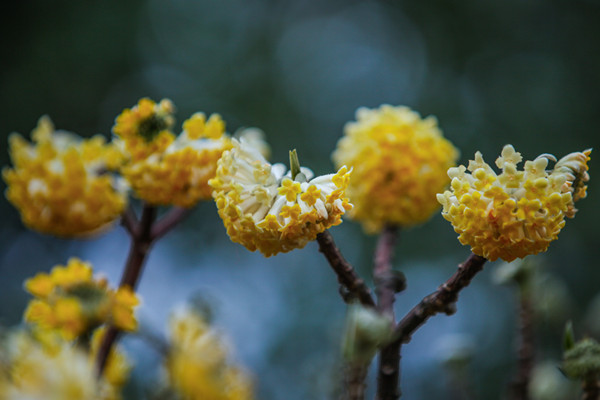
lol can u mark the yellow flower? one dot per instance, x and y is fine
(45, 368)
(144, 129)
(178, 174)
(399, 163)
(71, 301)
(263, 208)
(515, 213)
(197, 364)
(60, 184)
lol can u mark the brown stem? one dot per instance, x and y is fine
(442, 300)
(169, 221)
(141, 242)
(591, 389)
(520, 386)
(388, 373)
(129, 221)
(355, 387)
(346, 275)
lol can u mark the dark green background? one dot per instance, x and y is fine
(493, 72)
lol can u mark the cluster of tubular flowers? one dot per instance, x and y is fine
(71, 301)
(60, 183)
(197, 366)
(164, 169)
(263, 208)
(44, 367)
(515, 213)
(399, 163)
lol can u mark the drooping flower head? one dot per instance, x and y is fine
(71, 301)
(514, 213)
(197, 363)
(47, 368)
(399, 162)
(165, 169)
(263, 208)
(60, 183)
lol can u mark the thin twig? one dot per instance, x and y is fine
(346, 275)
(354, 385)
(442, 300)
(386, 283)
(141, 242)
(591, 389)
(520, 386)
(169, 221)
(129, 221)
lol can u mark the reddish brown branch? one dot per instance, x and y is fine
(387, 285)
(354, 385)
(591, 389)
(169, 221)
(141, 242)
(346, 275)
(442, 300)
(520, 386)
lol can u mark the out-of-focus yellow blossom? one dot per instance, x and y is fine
(263, 208)
(197, 365)
(179, 173)
(399, 162)
(49, 369)
(145, 128)
(71, 301)
(60, 183)
(515, 213)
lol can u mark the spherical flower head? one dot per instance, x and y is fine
(50, 369)
(178, 175)
(145, 128)
(399, 162)
(71, 301)
(515, 213)
(197, 364)
(263, 208)
(60, 183)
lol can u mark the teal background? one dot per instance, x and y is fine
(518, 72)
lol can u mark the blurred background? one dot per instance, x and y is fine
(523, 72)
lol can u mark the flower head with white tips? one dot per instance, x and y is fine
(264, 208)
(515, 213)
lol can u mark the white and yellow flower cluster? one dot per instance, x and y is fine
(61, 183)
(164, 169)
(399, 162)
(515, 213)
(263, 208)
(44, 367)
(197, 363)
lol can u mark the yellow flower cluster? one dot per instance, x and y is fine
(399, 162)
(145, 128)
(169, 170)
(41, 367)
(515, 213)
(60, 183)
(72, 302)
(197, 364)
(263, 208)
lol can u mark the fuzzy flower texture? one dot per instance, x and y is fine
(263, 208)
(165, 169)
(515, 213)
(60, 183)
(41, 366)
(197, 363)
(399, 163)
(71, 301)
